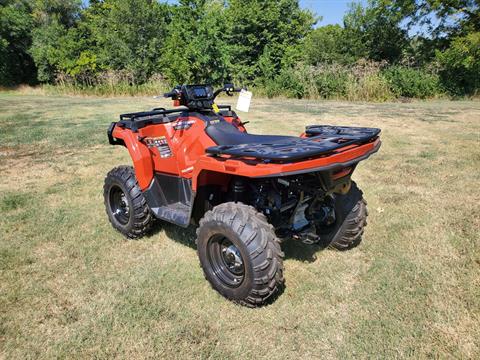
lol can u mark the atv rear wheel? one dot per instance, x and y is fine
(125, 204)
(350, 220)
(240, 254)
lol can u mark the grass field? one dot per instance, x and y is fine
(71, 287)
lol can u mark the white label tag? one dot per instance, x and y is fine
(243, 103)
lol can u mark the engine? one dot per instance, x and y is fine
(297, 206)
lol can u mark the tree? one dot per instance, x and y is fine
(128, 34)
(328, 44)
(260, 33)
(441, 17)
(107, 35)
(52, 19)
(16, 64)
(452, 39)
(460, 64)
(371, 32)
(374, 32)
(195, 50)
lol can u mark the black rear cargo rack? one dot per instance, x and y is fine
(346, 132)
(322, 140)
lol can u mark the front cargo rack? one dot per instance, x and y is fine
(138, 120)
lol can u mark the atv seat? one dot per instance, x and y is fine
(224, 133)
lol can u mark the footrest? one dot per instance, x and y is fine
(170, 198)
(176, 213)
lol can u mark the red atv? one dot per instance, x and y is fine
(197, 164)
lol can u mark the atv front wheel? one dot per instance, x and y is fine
(350, 220)
(240, 254)
(125, 204)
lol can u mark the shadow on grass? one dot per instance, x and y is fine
(293, 249)
(297, 250)
(184, 236)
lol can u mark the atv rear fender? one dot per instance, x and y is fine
(208, 167)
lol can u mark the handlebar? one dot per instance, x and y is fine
(177, 92)
(173, 93)
(169, 94)
(228, 88)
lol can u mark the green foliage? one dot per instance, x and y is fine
(129, 35)
(107, 35)
(260, 33)
(52, 19)
(361, 81)
(64, 12)
(271, 45)
(437, 16)
(412, 83)
(328, 44)
(16, 65)
(331, 81)
(374, 32)
(195, 50)
(45, 49)
(291, 82)
(461, 64)
(371, 32)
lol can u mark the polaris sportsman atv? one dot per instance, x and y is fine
(197, 164)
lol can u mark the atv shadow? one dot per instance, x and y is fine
(184, 236)
(293, 249)
(297, 250)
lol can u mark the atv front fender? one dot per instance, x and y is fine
(140, 154)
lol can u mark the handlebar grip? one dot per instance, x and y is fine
(170, 94)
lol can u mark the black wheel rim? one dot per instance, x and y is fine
(119, 205)
(225, 260)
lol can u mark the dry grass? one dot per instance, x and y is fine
(71, 287)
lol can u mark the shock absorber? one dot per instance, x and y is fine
(238, 190)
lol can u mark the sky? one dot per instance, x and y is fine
(331, 11)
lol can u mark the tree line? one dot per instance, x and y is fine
(384, 49)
